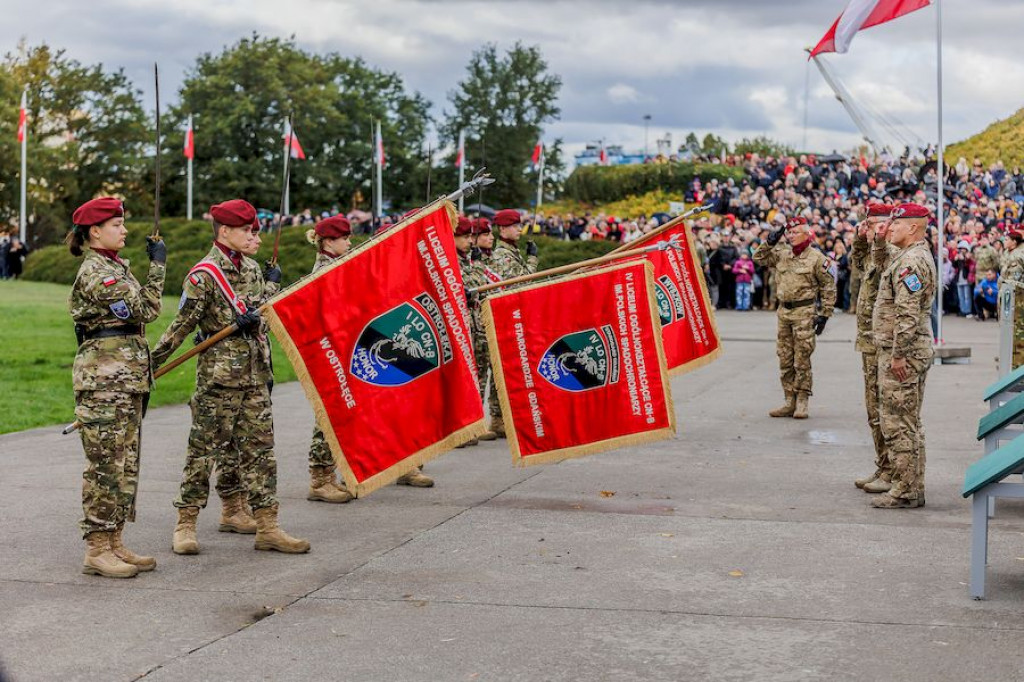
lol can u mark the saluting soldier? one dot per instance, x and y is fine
(111, 377)
(804, 283)
(332, 238)
(903, 336)
(232, 424)
(870, 255)
(1013, 276)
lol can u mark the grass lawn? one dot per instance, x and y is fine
(37, 347)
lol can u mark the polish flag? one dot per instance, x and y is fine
(538, 152)
(379, 153)
(603, 157)
(460, 153)
(861, 14)
(23, 117)
(190, 143)
(290, 136)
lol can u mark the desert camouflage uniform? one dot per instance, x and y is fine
(508, 262)
(802, 280)
(319, 451)
(110, 377)
(902, 329)
(1013, 275)
(986, 258)
(871, 261)
(232, 424)
(472, 277)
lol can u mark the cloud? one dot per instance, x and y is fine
(620, 93)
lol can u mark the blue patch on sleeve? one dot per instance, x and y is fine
(913, 283)
(120, 310)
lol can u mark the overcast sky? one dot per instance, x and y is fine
(732, 67)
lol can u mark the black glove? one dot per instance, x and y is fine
(472, 298)
(475, 253)
(819, 324)
(774, 236)
(248, 322)
(531, 247)
(272, 273)
(156, 249)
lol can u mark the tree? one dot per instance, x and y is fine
(240, 99)
(691, 144)
(712, 145)
(502, 105)
(88, 135)
(763, 146)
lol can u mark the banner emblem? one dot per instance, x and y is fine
(670, 302)
(402, 344)
(581, 361)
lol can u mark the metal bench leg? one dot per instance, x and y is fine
(979, 543)
(991, 506)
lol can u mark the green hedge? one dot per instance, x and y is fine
(601, 184)
(187, 242)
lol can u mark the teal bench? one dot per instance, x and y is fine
(1005, 422)
(1004, 390)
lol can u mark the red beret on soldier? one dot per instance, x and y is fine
(98, 211)
(507, 217)
(795, 221)
(333, 227)
(234, 213)
(464, 227)
(910, 210)
(877, 209)
(481, 225)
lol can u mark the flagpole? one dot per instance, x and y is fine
(378, 141)
(460, 154)
(540, 184)
(941, 172)
(23, 217)
(188, 206)
(285, 205)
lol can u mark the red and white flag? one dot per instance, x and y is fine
(460, 153)
(379, 158)
(538, 153)
(602, 158)
(23, 117)
(861, 14)
(291, 138)
(190, 144)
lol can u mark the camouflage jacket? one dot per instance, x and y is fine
(237, 361)
(985, 258)
(799, 278)
(322, 259)
(903, 309)
(106, 294)
(872, 263)
(472, 277)
(1013, 267)
(508, 262)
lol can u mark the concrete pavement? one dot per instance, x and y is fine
(738, 551)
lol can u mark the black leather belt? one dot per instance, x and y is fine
(790, 305)
(107, 332)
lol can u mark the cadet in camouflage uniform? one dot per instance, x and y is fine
(232, 424)
(903, 337)
(804, 282)
(472, 277)
(1013, 276)
(507, 262)
(985, 257)
(481, 257)
(111, 377)
(872, 258)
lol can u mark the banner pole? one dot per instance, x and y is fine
(670, 224)
(941, 170)
(460, 154)
(23, 216)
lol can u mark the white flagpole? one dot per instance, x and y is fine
(941, 172)
(378, 141)
(188, 206)
(23, 217)
(540, 183)
(287, 152)
(461, 155)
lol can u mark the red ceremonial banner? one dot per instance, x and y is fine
(382, 345)
(579, 365)
(687, 318)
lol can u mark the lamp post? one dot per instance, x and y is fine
(647, 123)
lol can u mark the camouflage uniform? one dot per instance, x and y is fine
(985, 258)
(902, 329)
(801, 280)
(1013, 275)
(319, 451)
(111, 377)
(508, 262)
(472, 277)
(232, 424)
(871, 261)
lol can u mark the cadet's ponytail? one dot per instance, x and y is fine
(76, 239)
(313, 238)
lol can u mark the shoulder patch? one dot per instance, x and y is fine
(120, 310)
(109, 281)
(194, 278)
(913, 283)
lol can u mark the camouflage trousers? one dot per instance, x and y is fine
(110, 438)
(794, 346)
(1018, 328)
(483, 365)
(899, 407)
(232, 429)
(319, 452)
(869, 362)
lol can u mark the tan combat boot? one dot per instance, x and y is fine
(800, 412)
(322, 487)
(881, 484)
(861, 482)
(787, 409)
(887, 501)
(185, 541)
(269, 535)
(101, 560)
(144, 563)
(488, 435)
(235, 516)
(468, 444)
(497, 426)
(417, 479)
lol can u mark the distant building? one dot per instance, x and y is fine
(591, 156)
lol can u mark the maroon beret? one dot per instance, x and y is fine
(1017, 234)
(234, 213)
(507, 217)
(481, 226)
(796, 221)
(464, 227)
(877, 209)
(98, 211)
(910, 211)
(333, 227)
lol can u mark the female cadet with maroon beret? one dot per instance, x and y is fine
(112, 376)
